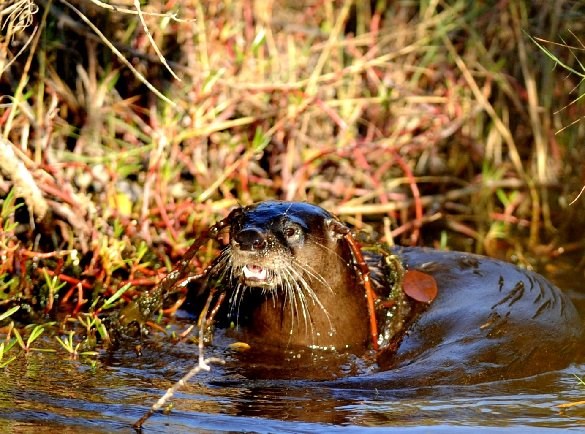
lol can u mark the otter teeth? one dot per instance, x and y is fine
(254, 272)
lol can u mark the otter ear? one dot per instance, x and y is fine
(335, 229)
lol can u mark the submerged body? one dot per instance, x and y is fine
(490, 321)
(294, 287)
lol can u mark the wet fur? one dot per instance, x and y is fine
(490, 320)
(313, 280)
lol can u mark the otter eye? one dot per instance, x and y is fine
(290, 232)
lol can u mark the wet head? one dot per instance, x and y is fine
(291, 278)
(276, 242)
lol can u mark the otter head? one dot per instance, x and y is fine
(275, 243)
(292, 261)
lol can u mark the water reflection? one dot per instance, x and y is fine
(46, 392)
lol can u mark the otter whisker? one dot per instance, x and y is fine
(312, 273)
(309, 291)
(233, 300)
(299, 300)
(272, 292)
(237, 295)
(266, 291)
(221, 262)
(289, 299)
(311, 294)
(294, 290)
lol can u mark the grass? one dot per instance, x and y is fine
(125, 133)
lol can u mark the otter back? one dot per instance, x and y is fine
(490, 321)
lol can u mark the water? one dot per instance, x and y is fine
(46, 392)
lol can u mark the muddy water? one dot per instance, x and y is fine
(46, 393)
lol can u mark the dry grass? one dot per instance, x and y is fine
(432, 122)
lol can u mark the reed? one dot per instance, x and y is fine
(127, 130)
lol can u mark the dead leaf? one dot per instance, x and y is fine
(420, 286)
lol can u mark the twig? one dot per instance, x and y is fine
(324, 56)
(171, 16)
(24, 78)
(578, 196)
(4, 66)
(488, 107)
(418, 207)
(202, 365)
(19, 15)
(151, 39)
(118, 54)
(23, 180)
(367, 209)
(79, 28)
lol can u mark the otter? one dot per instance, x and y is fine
(290, 279)
(293, 283)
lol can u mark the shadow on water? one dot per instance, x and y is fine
(45, 392)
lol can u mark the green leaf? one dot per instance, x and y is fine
(37, 331)
(67, 343)
(555, 58)
(258, 41)
(110, 301)
(19, 339)
(9, 312)
(7, 362)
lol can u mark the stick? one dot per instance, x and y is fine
(202, 364)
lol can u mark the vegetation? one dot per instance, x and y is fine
(126, 131)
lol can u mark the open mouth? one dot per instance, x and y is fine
(255, 274)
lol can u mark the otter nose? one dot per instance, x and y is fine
(250, 239)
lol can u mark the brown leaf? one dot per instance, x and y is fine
(420, 286)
